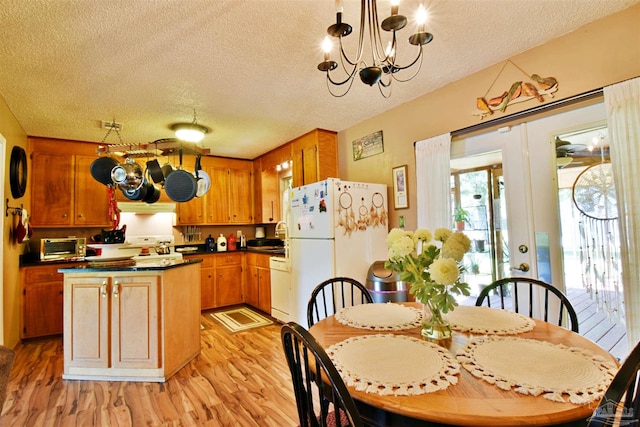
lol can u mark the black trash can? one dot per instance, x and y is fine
(385, 285)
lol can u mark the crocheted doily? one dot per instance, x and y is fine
(380, 317)
(394, 364)
(539, 368)
(486, 320)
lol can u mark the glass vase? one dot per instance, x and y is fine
(434, 326)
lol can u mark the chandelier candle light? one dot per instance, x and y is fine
(382, 61)
(432, 263)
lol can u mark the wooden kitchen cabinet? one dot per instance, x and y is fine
(315, 157)
(63, 192)
(229, 199)
(258, 282)
(41, 301)
(222, 280)
(113, 322)
(228, 288)
(130, 325)
(267, 197)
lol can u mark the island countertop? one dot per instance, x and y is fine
(160, 265)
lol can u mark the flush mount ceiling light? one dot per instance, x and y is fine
(381, 68)
(191, 132)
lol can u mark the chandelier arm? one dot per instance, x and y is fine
(379, 52)
(350, 81)
(404, 67)
(380, 86)
(420, 56)
(349, 77)
(344, 58)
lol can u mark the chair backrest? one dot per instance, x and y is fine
(316, 382)
(521, 294)
(332, 295)
(7, 357)
(623, 389)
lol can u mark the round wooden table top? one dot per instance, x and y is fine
(472, 402)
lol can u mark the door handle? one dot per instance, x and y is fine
(522, 267)
(116, 290)
(103, 290)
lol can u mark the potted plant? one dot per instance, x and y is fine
(460, 216)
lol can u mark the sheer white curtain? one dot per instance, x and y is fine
(622, 101)
(433, 186)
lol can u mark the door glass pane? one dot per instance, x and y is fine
(479, 194)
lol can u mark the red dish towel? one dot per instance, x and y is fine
(23, 229)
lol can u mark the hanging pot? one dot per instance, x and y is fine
(153, 193)
(203, 180)
(180, 185)
(155, 171)
(128, 176)
(101, 169)
(139, 193)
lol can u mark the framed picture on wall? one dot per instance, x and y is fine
(400, 188)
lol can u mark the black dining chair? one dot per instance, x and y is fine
(624, 390)
(513, 291)
(317, 384)
(332, 295)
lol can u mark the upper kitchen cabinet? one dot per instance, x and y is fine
(315, 157)
(63, 192)
(229, 199)
(267, 184)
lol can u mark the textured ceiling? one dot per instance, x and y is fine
(248, 67)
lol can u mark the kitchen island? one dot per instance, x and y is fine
(131, 323)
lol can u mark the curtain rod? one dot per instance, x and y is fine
(528, 113)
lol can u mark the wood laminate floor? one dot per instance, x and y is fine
(239, 379)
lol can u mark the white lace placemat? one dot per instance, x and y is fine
(486, 320)
(539, 368)
(394, 364)
(380, 317)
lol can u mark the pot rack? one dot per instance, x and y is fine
(160, 147)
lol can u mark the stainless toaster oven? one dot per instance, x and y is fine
(62, 248)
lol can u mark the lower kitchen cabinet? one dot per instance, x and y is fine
(221, 276)
(228, 290)
(140, 326)
(258, 282)
(41, 301)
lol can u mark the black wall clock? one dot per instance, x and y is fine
(18, 172)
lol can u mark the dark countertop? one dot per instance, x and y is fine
(166, 265)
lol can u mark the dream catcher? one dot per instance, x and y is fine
(594, 195)
(377, 212)
(346, 216)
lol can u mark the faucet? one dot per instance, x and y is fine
(281, 227)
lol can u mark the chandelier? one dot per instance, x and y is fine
(381, 68)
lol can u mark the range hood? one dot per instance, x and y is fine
(146, 208)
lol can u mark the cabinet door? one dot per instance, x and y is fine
(191, 212)
(42, 309)
(135, 319)
(228, 285)
(240, 191)
(270, 196)
(86, 322)
(264, 289)
(51, 189)
(218, 196)
(207, 288)
(91, 202)
(310, 164)
(251, 294)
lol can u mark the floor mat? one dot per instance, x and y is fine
(240, 319)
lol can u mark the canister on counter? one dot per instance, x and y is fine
(222, 243)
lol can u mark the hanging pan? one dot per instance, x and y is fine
(154, 170)
(203, 180)
(180, 185)
(101, 169)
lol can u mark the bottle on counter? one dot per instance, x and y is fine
(209, 244)
(231, 242)
(222, 243)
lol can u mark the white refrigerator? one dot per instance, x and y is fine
(337, 228)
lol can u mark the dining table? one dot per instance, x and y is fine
(485, 375)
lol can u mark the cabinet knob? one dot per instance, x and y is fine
(64, 215)
(116, 290)
(79, 215)
(103, 290)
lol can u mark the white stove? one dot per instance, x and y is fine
(150, 243)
